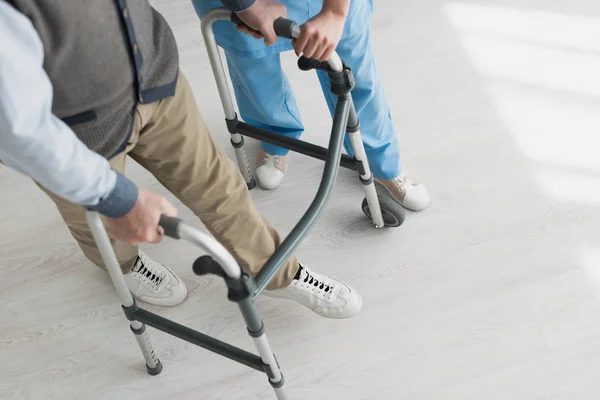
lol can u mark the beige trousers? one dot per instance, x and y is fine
(171, 141)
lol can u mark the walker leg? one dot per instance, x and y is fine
(237, 141)
(216, 64)
(364, 171)
(153, 364)
(256, 330)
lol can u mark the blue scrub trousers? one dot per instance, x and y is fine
(265, 97)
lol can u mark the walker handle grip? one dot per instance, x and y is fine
(206, 265)
(286, 28)
(235, 19)
(170, 226)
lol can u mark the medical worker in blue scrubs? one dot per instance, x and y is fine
(265, 97)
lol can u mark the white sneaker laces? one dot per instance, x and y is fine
(321, 283)
(272, 159)
(148, 275)
(402, 182)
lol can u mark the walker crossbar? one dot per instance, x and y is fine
(134, 313)
(295, 145)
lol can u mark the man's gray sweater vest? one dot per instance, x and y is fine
(103, 57)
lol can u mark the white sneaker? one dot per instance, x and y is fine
(325, 296)
(409, 194)
(270, 170)
(154, 283)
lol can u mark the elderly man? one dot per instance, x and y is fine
(85, 84)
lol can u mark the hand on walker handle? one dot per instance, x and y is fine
(140, 224)
(320, 35)
(258, 20)
(318, 38)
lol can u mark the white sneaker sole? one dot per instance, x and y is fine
(382, 190)
(171, 302)
(347, 314)
(271, 186)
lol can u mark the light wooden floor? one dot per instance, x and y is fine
(492, 293)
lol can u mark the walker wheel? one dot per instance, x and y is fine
(393, 213)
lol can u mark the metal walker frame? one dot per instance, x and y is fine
(381, 209)
(243, 289)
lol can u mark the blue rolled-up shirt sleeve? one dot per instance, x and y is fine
(38, 144)
(238, 5)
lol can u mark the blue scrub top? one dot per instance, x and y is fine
(298, 10)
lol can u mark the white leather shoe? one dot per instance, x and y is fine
(325, 296)
(409, 194)
(270, 170)
(154, 283)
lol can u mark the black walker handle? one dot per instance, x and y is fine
(285, 28)
(206, 265)
(235, 19)
(170, 226)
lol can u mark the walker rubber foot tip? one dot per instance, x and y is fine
(251, 184)
(156, 370)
